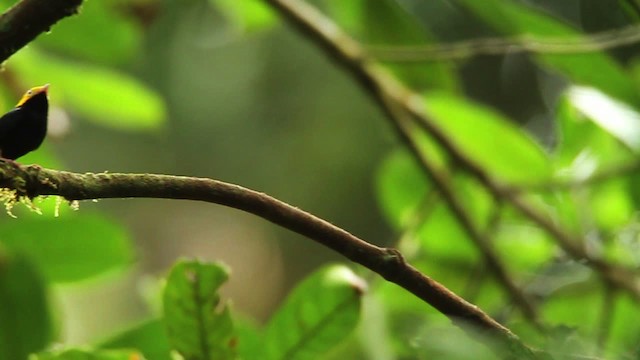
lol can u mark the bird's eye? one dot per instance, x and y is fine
(29, 92)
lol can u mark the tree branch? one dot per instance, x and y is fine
(602, 41)
(32, 181)
(27, 19)
(384, 88)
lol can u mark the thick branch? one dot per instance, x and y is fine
(34, 181)
(27, 19)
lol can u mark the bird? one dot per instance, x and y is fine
(23, 129)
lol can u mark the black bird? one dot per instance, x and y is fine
(23, 129)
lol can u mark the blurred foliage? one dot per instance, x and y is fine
(561, 129)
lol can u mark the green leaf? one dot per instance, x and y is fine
(250, 339)
(625, 326)
(611, 205)
(317, 315)
(25, 322)
(248, 15)
(446, 246)
(198, 325)
(511, 18)
(488, 139)
(69, 248)
(617, 118)
(92, 91)
(81, 354)
(98, 33)
(149, 338)
(370, 22)
(526, 247)
(583, 147)
(401, 186)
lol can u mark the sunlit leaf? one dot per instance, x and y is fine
(25, 322)
(316, 316)
(69, 248)
(198, 325)
(584, 147)
(611, 205)
(100, 94)
(615, 117)
(488, 139)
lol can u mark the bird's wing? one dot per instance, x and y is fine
(8, 123)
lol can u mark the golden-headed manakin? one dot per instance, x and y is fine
(23, 129)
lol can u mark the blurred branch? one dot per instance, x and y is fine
(32, 181)
(27, 19)
(386, 89)
(499, 46)
(482, 242)
(601, 176)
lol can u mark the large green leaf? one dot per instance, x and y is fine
(490, 140)
(198, 325)
(316, 316)
(250, 339)
(98, 33)
(25, 322)
(106, 96)
(69, 248)
(594, 69)
(148, 337)
(82, 354)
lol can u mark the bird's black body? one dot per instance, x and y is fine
(23, 129)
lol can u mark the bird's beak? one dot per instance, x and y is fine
(45, 87)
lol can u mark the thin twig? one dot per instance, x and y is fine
(479, 239)
(32, 181)
(500, 46)
(27, 19)
(606, 174)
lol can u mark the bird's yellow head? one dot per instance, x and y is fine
(31, 93)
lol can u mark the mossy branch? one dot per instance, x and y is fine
(27, 19)
(32, 181)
